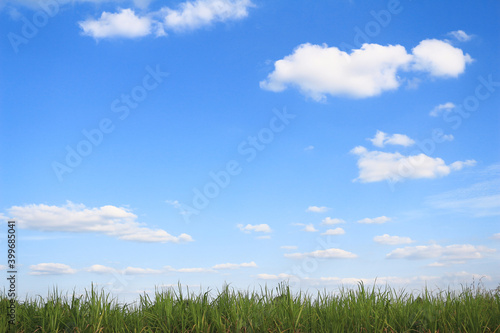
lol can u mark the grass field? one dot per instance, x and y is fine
(374, 309)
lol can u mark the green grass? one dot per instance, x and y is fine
(473, 309)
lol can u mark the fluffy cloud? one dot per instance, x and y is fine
(320, 70)
(122, 24)
(376, 166)
(51, 269)
(333, 232)
(381, 139)
(392, 240)
(330, 221)
(324, 254)
(376, 220)
(460, 35)
(256, 228)
(195, 14)
(109, 220)
(446, 107)
(456, 252)
(439, 58)
(190, 15)
(316, 209)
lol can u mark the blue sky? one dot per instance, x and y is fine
(145, 143)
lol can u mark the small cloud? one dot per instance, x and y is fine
(496, 236)
(381, 139)
(51, 269)
(460, 35)
(100, 269)
(459, 165)
(289, 247)
(255, 228)
(439, 59)
(456, 253)
(263, 237)
(392, 240)
(307, 227)
(446, 107)
(308, 148)
(376, 220)
(325, 254)
(316, 209)
(330, 221)
(234, 266)
(336, 231)
(375, 166)
(281, 276)
(140, 271)
(123, 24)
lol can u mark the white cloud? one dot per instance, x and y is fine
(459, 165)
(256, 228)
(439, 58)
(122, 24)
(109, 220)
(190, 15)
(392, 240)
(307, 227)
(460, 35)
(330, 221)
(51, 269)
(289, 247)
(190, 270)
(195, 14)
(281, 276)
(456, 252)
(496, 236)
(234, 266)
(140, 271)
(376, 166)
(336, 231)
(325, 254)
(318, 70)
(316, 209)
(100, 269)
(376, 220)
(309, 148)
(381, 139)
(446, 107)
